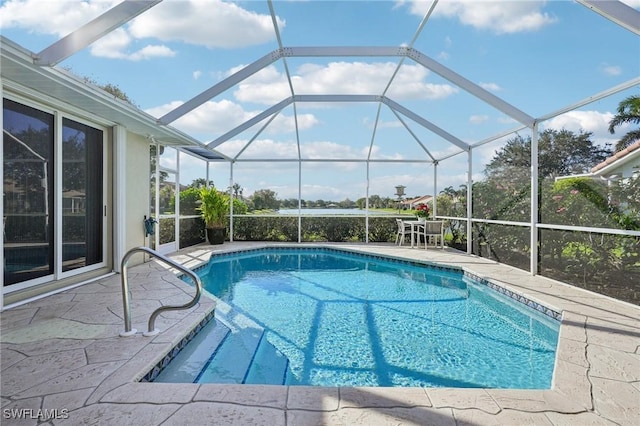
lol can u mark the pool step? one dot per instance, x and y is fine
(245, 355)
(269, 366)
(233, 358)
(186, 366)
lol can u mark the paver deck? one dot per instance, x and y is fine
(63, 362)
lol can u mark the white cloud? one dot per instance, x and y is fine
(267, 86)
(314, 150)
(270, 86)
(210, 23)
(393, 124)
(444, 56)
(325, 149)
(501, 17)
(478, 119)
(215, 118)
(492, 87)
(286, 124)
(595, 122)
(505, 119)
(197, 74)
(612, 70)
(51, 17)
(116, 44)
(151, 51)
(409, 84)
(260, 149)
(209, 118)
(376, 153)
(315, 192)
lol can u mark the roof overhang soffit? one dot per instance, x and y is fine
(339, 98)
(357, 51)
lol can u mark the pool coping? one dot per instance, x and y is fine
(596, 379)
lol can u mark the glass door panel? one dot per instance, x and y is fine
(28, 136)
(82, 195)
(167, 213)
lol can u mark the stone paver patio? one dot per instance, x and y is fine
(63, 362)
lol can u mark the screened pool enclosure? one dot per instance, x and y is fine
(343, 111)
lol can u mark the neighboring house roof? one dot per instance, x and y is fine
(619, 159)
(412, 202)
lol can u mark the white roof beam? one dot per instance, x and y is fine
(498, 136)
(322, 51)
(471, 87)
(247, 124)
(330, 160)
(415, 137)
(258, 133)
(337, 98)
(426, 124)
(92, 31)
(616, 11)
(593, 98)
(225, 84)
(423, 60)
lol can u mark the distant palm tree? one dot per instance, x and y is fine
(237, 189)
(628, 112)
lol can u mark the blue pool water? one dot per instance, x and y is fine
(331, 318)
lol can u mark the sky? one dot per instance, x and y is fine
(539, 56)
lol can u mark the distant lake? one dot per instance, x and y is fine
(318, 212)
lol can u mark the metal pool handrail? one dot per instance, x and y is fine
(152, 331)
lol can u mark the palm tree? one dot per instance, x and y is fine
(237, 189)
(628, 112)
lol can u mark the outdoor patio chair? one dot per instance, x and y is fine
(434, 229)
(404, 230)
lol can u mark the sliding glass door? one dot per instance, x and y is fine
(54, 196)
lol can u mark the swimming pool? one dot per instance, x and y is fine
(328, 317)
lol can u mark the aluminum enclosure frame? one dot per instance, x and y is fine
(614, 11)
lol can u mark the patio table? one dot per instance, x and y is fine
(415, 229)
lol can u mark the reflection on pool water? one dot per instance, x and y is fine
(332, 318)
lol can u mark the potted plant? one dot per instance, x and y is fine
(422, 212)
(214, 208)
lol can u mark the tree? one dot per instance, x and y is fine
(560, 153)
(110, 88)
(265, 199)
(375, 202)
(628, 112)
(505, 194)
(200, 183)
(237, 190)
(116, 92)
